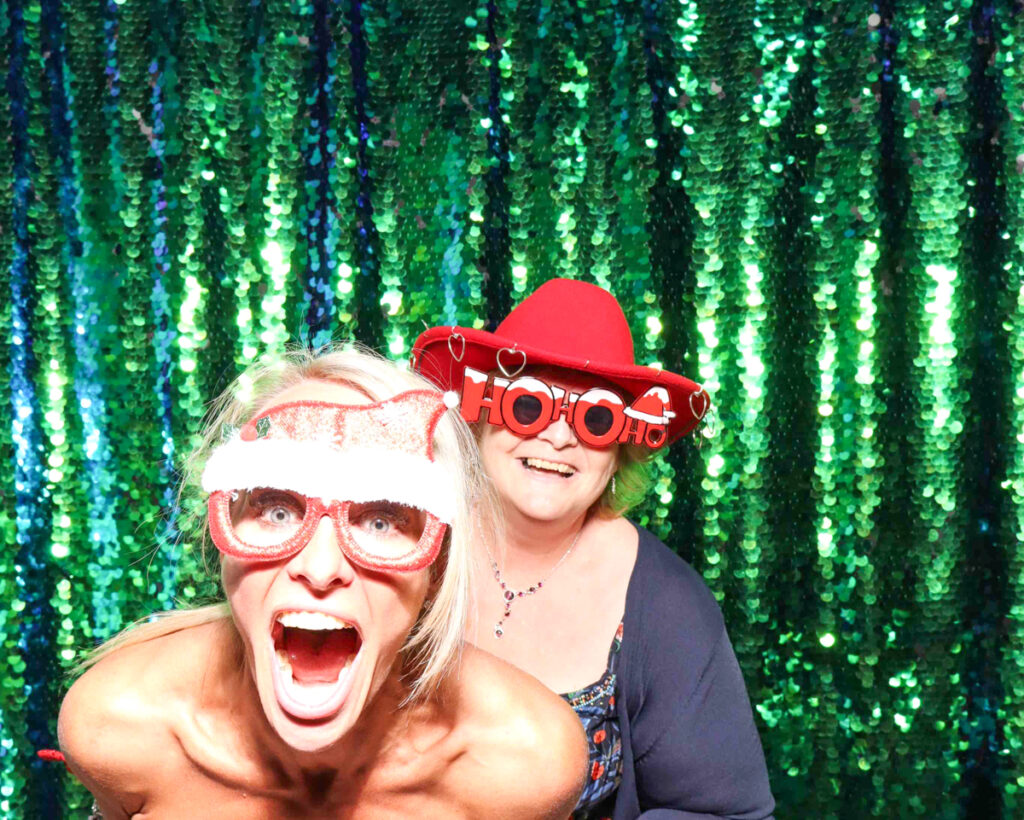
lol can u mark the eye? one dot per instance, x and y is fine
(526, 409)
(385, 519)
(378, 522)
(276, 515)
(275, 508)
(598, 420)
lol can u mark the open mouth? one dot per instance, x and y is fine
(539, 465)
(313, 658)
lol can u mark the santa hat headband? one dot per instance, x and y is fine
(337, 452)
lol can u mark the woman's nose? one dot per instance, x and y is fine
(558, 434)
(321, 564)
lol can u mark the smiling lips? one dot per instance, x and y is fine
(542, 465)
(314, 653)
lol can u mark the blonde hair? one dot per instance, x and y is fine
(433, 648)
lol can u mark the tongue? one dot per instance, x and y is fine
(317, 655)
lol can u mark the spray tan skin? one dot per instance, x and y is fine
(172, 728)
(187, 725)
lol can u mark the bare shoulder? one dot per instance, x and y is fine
(118, 721)
(527, 744)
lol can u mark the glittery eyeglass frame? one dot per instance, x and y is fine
(421, 555)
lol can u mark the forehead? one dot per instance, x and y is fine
(316, 390)
(573, 381)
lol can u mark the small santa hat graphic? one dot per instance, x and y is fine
(654, 407)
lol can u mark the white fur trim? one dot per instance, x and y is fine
(636, 414)
(318, 470)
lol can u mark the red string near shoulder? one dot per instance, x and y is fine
(55, 755)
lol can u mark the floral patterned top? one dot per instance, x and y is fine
(595, 707)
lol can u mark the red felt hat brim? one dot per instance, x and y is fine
(435, 359)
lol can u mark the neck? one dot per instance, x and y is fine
(526, 537)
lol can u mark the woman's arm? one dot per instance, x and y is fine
(540, 771)
(104, 745)
(705, 759)
(527, 755)
(694, 745)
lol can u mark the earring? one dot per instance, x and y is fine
(613, 485)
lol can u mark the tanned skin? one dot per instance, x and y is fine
(172, 727)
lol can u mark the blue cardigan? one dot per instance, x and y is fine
(690, 750)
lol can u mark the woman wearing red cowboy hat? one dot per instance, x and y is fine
(572, 592)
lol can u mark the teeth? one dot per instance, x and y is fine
(541, 464)
(311, 620)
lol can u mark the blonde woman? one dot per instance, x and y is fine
(572, 592)
(333, 682)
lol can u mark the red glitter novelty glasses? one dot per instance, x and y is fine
(267, 524)
(599, 417)
(369, 468)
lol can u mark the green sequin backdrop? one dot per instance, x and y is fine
(814, 208)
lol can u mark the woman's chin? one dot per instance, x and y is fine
(547, 509)
(308, 739)
(305, 735)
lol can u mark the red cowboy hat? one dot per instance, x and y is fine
(564, 323)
